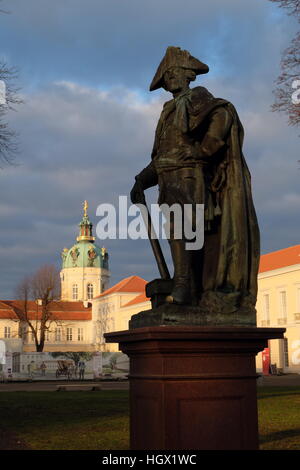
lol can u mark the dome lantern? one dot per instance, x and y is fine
(86, 226)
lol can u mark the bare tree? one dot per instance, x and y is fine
(289, 80)
(43, 287)
(3, 11)
(293, 6)
(9, 97)
(104, 324)
(23, 293)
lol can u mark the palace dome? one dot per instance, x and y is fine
(85, 253)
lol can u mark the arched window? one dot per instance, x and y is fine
(75, 292)
(90, 291)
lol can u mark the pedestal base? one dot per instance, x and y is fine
(178, 315)
(193, 388)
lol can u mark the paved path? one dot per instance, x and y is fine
(288, 380)
(53, 386)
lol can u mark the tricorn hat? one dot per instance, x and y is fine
(175, 57)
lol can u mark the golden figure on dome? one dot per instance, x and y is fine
(85, 208)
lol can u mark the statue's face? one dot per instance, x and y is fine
(175, 79)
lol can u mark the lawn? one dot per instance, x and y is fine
(64, 420)
(99, 420)
(279, 418)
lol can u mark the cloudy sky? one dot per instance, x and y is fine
(87, 123)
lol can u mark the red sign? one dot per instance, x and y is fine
(266, 361)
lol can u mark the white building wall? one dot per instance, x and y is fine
(284, 312)
(98, 277)
(109, 314)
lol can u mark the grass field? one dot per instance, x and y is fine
(279, 418)
(99, 420)
(64, 420)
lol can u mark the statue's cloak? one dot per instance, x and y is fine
(232, 249)
(229, 260)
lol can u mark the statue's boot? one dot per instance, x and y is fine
(181, 293)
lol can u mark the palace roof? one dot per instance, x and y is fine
(59, 310)
(280, 259)
(129, 284)
(137, 300)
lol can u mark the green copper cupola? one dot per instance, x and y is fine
(85, 272)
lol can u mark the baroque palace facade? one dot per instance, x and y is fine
(89, 307)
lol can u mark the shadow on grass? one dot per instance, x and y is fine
(23, 410)
(279, 435)
(274, 392)
(64, 421)
(10, 441)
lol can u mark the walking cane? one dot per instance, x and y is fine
(157, 251)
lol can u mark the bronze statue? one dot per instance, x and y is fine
(197, 158)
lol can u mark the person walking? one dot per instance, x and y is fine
(81, 366)
(43, 369)
(31, 368)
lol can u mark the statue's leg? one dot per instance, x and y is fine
(179, 187)
(196, 275)
(181, 293)
(195, 189)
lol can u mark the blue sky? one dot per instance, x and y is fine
(88, 119)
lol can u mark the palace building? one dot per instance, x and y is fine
(84, 275)
(113, 308)
(278, 305)
(88, 308)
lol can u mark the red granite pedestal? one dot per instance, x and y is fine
(193, 388)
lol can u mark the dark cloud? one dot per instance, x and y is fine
(120, 42)
(87, 128)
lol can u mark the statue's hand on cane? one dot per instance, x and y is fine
(137, 195)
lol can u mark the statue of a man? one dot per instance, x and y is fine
(197, 159)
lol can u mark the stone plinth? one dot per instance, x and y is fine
(193, 387)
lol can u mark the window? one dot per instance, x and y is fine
(69, 334)
(7, 332)
(75, 292)
(80, 334)
(266, 307)
(57, 334)
(282, 296)
(90, 291)
(46, 335)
